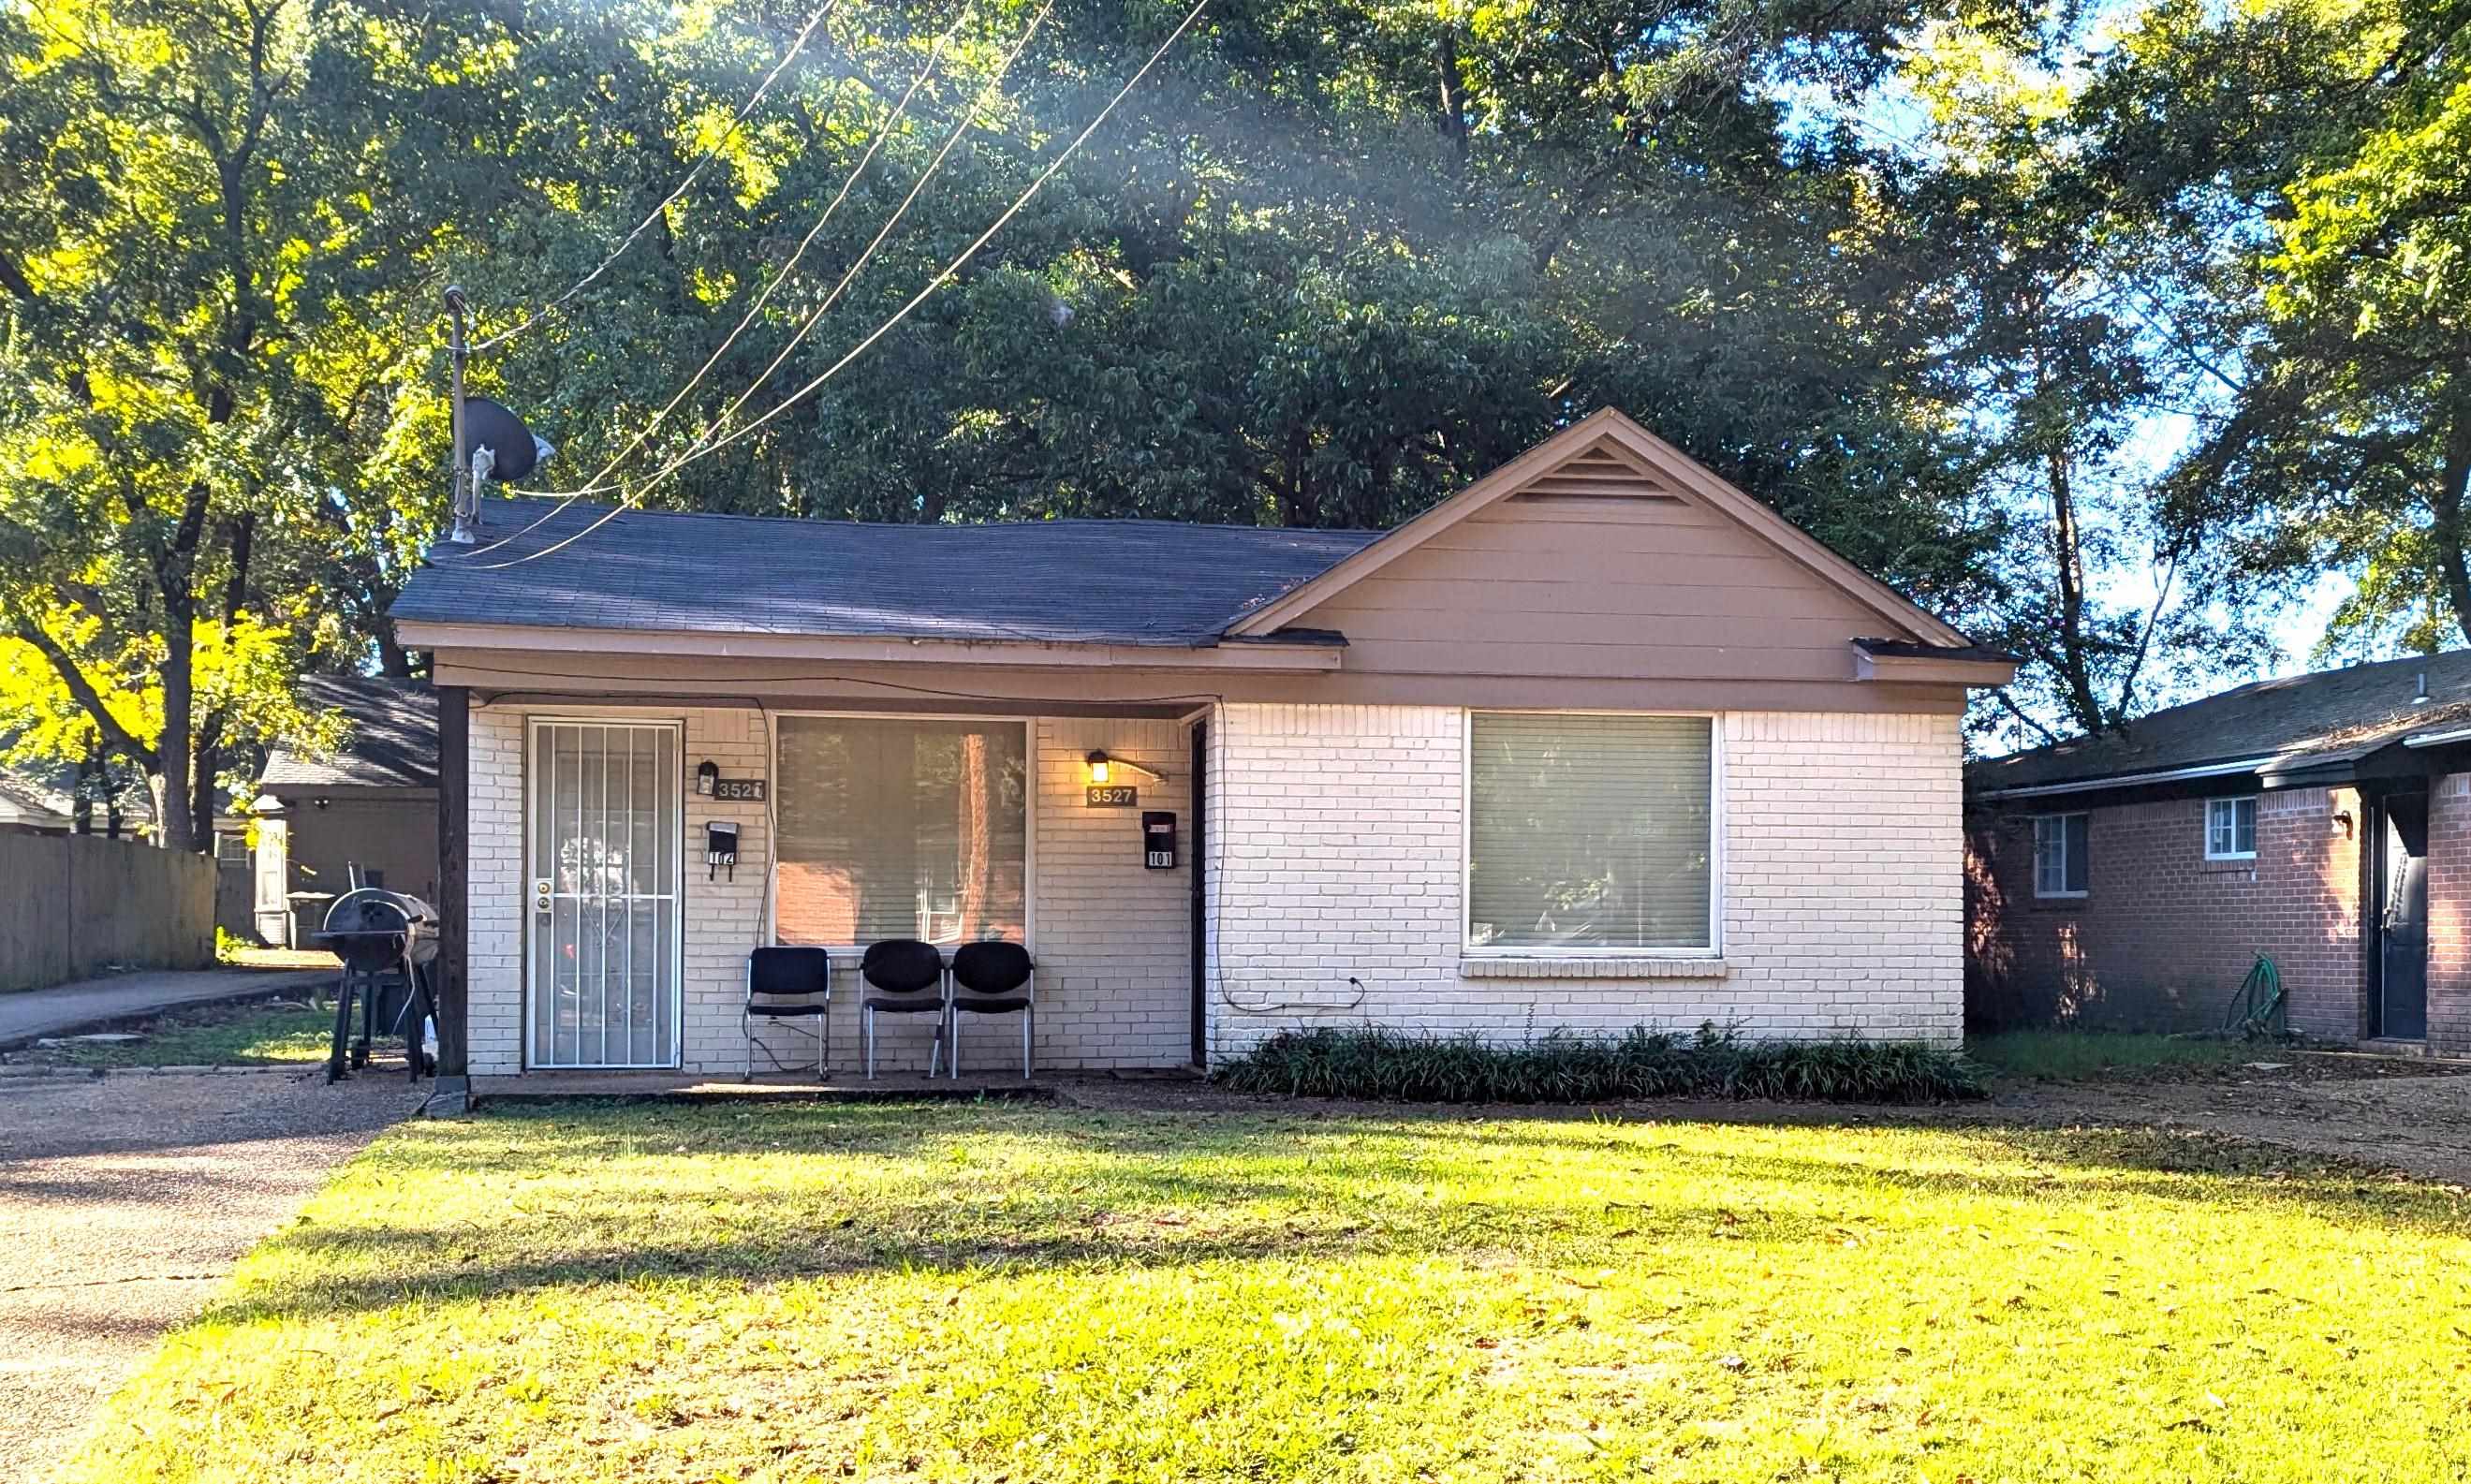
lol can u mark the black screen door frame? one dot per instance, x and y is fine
(1200, 894)
(2398, 954)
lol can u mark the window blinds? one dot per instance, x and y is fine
(1589, 834)
(900, 829)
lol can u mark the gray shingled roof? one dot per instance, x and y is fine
(2331, 716)
(389, 740)
(35, 795)
(1069, 581)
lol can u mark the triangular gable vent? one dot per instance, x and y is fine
(1599, 473)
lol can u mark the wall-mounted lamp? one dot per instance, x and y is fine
(322, 803)
(2342, 821)
(1102, 769)
(707, 777)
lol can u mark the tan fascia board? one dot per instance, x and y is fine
(540, 639)
(1930, 670)
(1658, 457)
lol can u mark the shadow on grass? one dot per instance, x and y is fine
(959, 1188)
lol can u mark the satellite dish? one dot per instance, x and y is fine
(490, 426)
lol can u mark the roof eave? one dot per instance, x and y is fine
(1034, 653)
(1956, 667)
(2150, 777)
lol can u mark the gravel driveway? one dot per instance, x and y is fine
(123, 1199)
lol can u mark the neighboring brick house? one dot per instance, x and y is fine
(1599, 741)
(2324, 820)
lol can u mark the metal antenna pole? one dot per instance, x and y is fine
(458, 350)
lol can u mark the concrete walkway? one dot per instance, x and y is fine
(28, 1014)
(124, 1201)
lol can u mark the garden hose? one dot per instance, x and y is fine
(2257, 1004)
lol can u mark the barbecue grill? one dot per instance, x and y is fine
(387, 941)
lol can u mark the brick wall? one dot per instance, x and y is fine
(2163, 936)
(2449, 914)
(1112, 939)
(1110, 935)
(1335, 849)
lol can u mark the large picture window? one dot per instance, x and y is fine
(893, 828)
(1591, 834)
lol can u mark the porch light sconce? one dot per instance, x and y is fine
(707, 777)
(1102, 769)
(2342, 821)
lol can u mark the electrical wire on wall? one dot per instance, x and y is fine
(1217, 885)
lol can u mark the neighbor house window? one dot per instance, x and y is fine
(900, 829)
(1590, 835)
(2060, 855)
(231, 847)
(2230, 829)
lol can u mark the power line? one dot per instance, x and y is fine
(960, 126)
(592, 484)
(666, 202)
(903, 313)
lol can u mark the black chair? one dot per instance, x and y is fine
(783, 983)
(903, 977)
(994, 979)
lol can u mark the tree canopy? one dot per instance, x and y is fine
(2095, 355)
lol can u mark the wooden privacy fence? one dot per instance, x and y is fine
(73, 905)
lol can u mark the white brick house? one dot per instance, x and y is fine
(1599, 743)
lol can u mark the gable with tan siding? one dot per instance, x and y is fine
(1598, 567)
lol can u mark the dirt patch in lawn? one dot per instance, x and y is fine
(2397, 1114)
(2266, 1063)
(250, 1033)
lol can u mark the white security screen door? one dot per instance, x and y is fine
(604, 894)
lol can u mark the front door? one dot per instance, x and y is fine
(604, 882)
(2402, 917)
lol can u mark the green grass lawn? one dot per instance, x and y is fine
(2094, 1055)
(961, 1292)
(214, 1036)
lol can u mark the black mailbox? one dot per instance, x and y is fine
(1158, 839)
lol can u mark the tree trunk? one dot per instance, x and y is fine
(2068, 556)
(88, 768)
(393, 660)
(2447, 507)
(180, 703)
(203, 771)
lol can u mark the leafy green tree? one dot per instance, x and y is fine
(2305, 159)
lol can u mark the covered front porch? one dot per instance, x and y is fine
(626, 857)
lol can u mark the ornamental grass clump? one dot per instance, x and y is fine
(1376, 1064)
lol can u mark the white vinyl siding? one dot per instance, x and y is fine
(2060, 854)
(900, 827)
(1591, 834)
(2230, 829)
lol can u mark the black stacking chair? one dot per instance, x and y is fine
(994, 979)
(903, 977)
(782, 985)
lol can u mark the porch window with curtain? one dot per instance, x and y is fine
(1591, 834)
(893, 828)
